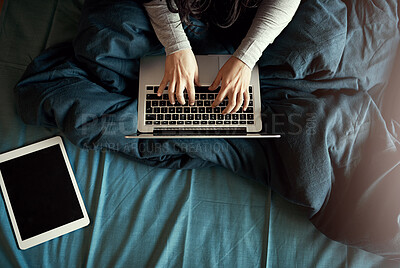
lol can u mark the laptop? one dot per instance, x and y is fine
(158, 118)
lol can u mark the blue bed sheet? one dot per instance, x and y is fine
(145, 216)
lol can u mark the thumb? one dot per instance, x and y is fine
(216, 82)
(196, 79)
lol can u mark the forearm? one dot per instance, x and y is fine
(271, 18)
(167, 26)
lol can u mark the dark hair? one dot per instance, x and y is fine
(222, 13)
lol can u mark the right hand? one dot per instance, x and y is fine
(181, 71)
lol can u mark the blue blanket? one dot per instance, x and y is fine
(324, 88)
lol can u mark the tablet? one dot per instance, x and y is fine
(41, 193)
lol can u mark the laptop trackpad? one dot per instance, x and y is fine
(208, 69)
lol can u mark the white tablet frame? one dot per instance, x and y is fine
(59, 231)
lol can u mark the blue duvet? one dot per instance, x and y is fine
(324, 84)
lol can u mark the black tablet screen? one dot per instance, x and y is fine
(40, 191)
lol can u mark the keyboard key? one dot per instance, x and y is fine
(149, 122)
(172, 122)
(179, 109)
(163, 103)
(202, 110)
(188, 122)
(211, 122)
(202, 89)
(251, 96)
(190, 116)
(220, 117)
(196, 122)
(169, 103)
(217, 110)
(150, 117)
(220, 122)
(149, 110)
(242, 116)
(164, 110)
(171, 110)
(155, 89)
(152, 97)
(227, 117)
(182, 117)
(208, 110)
(213, 116)
(249, 110)
(186, 110)
(148, 104)
(157, 110)
(156, 122)
(200, 103)
(197, 96)
(205, 116)
(154, 103)
(227, 122)
(250, 122)
(197, 116)
(164, 123)
(235, 122)
(250, 89)
(167, 117)
(250, 117)
(207, 103)
(211, 96)
(204, 122)
(160, 117)
(149, 88)
(181, 122)
(250, 103)
(175, 117)
(193, 110)
(235, 116)
(203, 96)
(165, 96)
(242, 122)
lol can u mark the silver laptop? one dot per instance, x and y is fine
(158, 118)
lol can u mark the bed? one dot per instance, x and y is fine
(147, 216)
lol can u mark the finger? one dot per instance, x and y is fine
(179, 93)
(232, 103)
(196, 79)
(220, 97)
(191, 93)
(171, 92)
(246, 99)
(216, 82)
(162, 86)
(239, 102)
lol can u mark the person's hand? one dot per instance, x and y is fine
(181, 72)
(234, 77)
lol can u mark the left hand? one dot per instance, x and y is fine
(234, 78)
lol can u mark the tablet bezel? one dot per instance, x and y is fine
(59, 231)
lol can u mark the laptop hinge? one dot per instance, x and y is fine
(199, 131)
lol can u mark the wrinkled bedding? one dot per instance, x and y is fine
(326, 88)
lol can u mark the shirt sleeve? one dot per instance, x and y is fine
(271, 18)
(167, 26)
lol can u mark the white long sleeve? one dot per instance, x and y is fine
(271, 18)
(167, 26)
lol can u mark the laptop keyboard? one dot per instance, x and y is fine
(159, 110)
